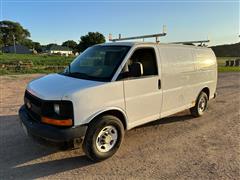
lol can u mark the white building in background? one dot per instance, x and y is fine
(63, 51)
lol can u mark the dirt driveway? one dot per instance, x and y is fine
(177, 147)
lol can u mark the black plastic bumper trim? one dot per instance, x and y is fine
(50, 133)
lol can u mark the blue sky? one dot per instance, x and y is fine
(58, 20)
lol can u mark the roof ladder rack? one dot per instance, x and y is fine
(192, 42)
(140, 37)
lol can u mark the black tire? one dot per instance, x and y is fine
(196, 111)
(94, 128)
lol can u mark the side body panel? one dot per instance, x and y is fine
(186, 71)
(178, 67)
(206, 73)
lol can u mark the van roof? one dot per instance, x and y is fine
(147, 43)
(125, 43)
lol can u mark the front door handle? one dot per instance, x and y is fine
(159, 84)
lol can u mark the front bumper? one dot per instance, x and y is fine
(47, 132)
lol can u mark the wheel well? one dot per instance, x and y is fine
(206, 90)
(117, 114)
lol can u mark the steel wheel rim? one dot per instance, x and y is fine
(202, 105)
(106, 138)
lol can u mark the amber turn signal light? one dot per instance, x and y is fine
(63, 122)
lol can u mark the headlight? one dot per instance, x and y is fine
(56, 109)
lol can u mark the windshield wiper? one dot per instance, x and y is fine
(75, 73)
(79, 75)
(83, 76)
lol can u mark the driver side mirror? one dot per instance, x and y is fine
(136, 69)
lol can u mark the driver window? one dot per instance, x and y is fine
(145, 56)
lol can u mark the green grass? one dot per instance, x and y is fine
(41, 63)
(37, 60)
(221, 64)
(228, 69)
(53, 63)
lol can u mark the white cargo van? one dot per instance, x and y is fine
(114, 87)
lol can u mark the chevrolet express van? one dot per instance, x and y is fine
(114, 87)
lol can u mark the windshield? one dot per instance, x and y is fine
(97, 63)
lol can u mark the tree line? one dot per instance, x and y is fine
(13, 32)
(228, 50)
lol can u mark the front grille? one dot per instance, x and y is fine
(33, 105)
(33, 99)
(36, 108)
(34, 116)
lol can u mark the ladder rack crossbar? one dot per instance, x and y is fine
(138, 37)
(191, 42)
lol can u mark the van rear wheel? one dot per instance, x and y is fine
(103, 138)
(200, 106)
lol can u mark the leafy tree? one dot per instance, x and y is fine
(70, 44)
(227, 50)
(31, 44)
(51, 44)
(37, 46)
(27, 42)
(43, 48)
(12, 30)
(1, 41)
(90, 39)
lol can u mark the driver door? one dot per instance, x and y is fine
(143, 95)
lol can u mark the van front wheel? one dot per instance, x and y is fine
(200, 106)
(103, 137)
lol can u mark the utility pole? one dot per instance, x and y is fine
(14, 44)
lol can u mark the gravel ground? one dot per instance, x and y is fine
(177, 147)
